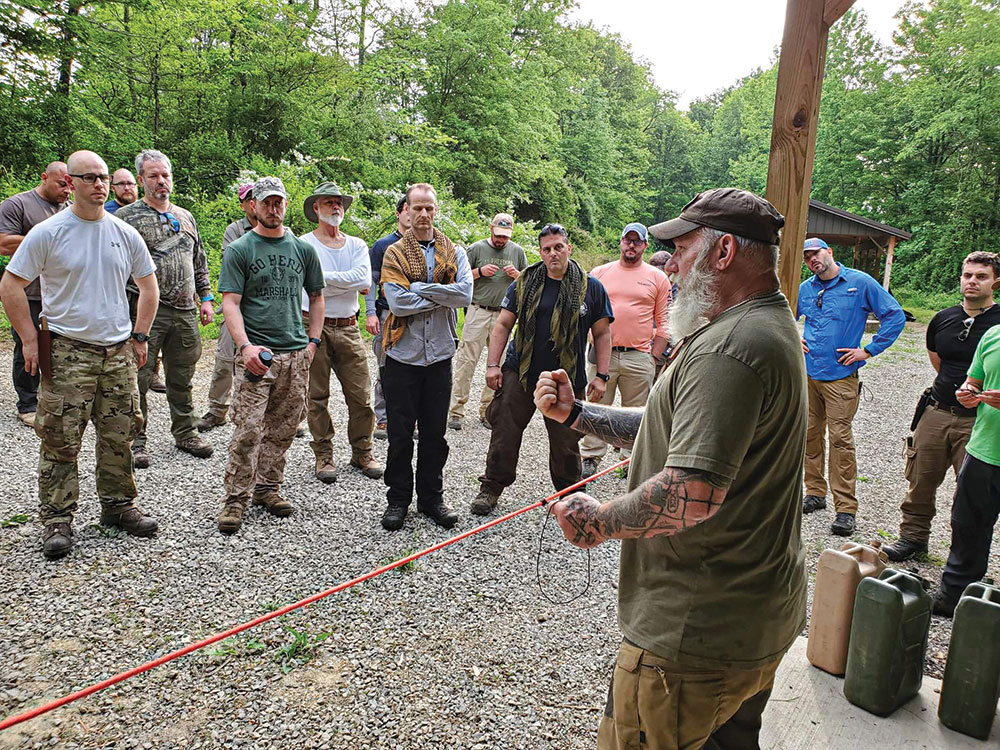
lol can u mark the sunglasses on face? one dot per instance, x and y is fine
(966, 327)
(169, 218)
(90, 178)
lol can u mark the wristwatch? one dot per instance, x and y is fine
(603, 376)
(142, 338)
(315, 341)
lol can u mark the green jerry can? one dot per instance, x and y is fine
(885, 659)
(971, 685)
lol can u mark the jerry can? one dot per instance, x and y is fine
(971, 684)
(885, 658)
(838, 574)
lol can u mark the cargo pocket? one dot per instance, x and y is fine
(911, 462)
(49, 422)
(625, 697)
(136, 422)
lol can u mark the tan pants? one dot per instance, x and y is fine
(222, 374)
(475, 337)
(631, 374)
(938, 444)
(343, 353)
(654, 704)
(832, 405)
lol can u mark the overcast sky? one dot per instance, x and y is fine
(696, 48)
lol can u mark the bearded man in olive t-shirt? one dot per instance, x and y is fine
(712, 587)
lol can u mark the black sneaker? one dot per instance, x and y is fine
(813, 502)
(904, 549)
(392, 519)
(440, 514)
(589, 468)
(943, 606)
(843, 524)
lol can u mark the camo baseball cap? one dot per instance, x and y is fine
(268, 186)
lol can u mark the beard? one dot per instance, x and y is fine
(696, 297)
(270, 222)
(333, 220)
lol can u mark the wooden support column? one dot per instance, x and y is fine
(793, 134)
(888, 262)
(857, 247)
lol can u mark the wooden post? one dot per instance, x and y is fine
(888, 262)
(857, 247)
(793, 133)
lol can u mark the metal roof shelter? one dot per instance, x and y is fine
(870, 239)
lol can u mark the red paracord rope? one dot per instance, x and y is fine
(122, 676)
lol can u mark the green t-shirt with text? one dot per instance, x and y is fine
(985, 441)
(489, 291)
(270, 274)
(728, 593)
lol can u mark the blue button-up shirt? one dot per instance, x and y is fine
(377, 306)
(839, 323)
(431, 333)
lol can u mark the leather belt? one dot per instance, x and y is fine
(87, 345)
(342, 322)
(489, 307)
(958, 411)
(625, 349)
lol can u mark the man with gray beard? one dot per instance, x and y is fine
(712, 585)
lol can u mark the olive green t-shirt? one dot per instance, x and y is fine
(985, 441)
(489, 291)
(728, 593)
(270, 274)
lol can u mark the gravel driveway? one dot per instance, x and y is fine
(460, 650)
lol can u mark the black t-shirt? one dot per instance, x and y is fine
(596, 306)
(956, 356)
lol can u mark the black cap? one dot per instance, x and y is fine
(731, 210)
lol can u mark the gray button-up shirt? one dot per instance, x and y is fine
(431, 333)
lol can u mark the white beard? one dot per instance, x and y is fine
(333, 220)
(695, 299)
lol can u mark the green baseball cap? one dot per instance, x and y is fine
(324, 190)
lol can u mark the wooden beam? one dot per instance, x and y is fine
(793, 134)
(835, 9)
(857, 247)
(888, 262)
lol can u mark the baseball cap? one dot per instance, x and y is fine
(814, 243)
(639, 229)
(244, 191)
(503, 225)
(268, 186)
(728, 210)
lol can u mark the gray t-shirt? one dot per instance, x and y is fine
(83, 266)
(19, 213)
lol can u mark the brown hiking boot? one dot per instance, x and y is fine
(326, 471)
(140, 459)
(132, 521)
(156, 384)
(210, 422)
(484, 503)
(196, 446)
(274, 503)
(231, 517)
(27, 418)
(368, 465)
(57, 540)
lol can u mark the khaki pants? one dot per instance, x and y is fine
(654, 704)
(938, 444)
(222, 374)
(475, 336)
(832, 405)
(631, 373)
(342, 352)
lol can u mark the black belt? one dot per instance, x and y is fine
(87, 345)
(958, 411)
(625, 349)
(489, 307)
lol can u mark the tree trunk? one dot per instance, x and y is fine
(67, 49)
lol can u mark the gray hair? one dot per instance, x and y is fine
(150, 154)
(761, 253)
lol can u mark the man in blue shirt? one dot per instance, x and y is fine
(125, 188)
(836, 303)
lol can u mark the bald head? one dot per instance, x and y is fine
(55, 187)
(82, 162)
(90, 196)
(56, 168)
(659, 259)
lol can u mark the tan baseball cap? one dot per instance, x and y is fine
(503, 225)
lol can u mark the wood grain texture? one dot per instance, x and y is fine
(835, 9)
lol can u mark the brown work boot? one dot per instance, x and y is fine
(27, 418)
(484, 503)
(196, 446)
(140, 458)
(231, 517)
(156, 384)
(273, 503)
(210, 422)
(326, 471)
(132, 521)
(57, 540)
(368, 465)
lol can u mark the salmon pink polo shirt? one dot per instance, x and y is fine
(640, 296)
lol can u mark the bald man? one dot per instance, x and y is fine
(18, 214)
(84, 257)
(125, 188)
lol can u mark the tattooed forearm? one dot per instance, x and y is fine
(615, 425)
(673, 500)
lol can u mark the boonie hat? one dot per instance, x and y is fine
(728, 210)
(268, 186)
(503, 225)
(324, 190)
(639, 229)
(244, 191)
(814, 243)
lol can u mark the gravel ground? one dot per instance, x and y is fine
(460, 650)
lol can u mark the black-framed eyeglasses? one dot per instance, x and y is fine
(633, 243)
(819, 298)
(967, 326)
(123, 183)
(90, 178)
(169, 218)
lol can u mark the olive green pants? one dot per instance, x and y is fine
(654, 704)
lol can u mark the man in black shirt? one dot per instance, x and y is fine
(945, 426)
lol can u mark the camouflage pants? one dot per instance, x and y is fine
(265, 415)
(89, 383)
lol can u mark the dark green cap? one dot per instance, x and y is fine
(729, 210)
(323, 190)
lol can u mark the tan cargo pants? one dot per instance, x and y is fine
(475, 337)
(631, 374)
(654, 704)
(832, 405)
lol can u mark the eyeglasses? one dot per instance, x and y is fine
(169, 218)
(633, 243)
(967, 323)
(819, 298)
(90, 178)
(123, 183)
